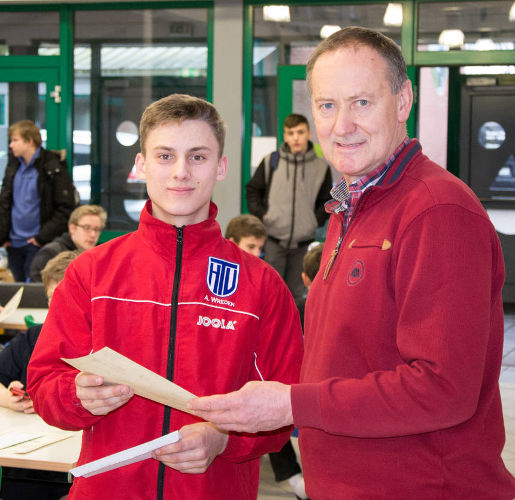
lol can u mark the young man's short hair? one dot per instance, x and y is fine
(27, 130)
(245, 225)
(55, 268)
(177, 108)
(311, 261)
(83, 210)
(294, 119)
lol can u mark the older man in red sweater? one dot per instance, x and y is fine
(399, 393)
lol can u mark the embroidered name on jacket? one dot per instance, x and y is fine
(222, 277)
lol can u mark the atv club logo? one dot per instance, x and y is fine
(222, 277)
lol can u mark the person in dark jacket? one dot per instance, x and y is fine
(84, 228)
(17, 482)
(288, 192)
(36, 198)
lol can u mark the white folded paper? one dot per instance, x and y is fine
(40, 442)
(12, 305)
(125, 457)
(13, 438)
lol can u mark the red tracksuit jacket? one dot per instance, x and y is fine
(189, 305)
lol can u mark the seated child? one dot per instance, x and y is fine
(28, 484)
(310, 267)
(14, 358)
(248, 232)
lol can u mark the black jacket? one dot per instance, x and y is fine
(14, 359)
(56, 192)
(60, 244)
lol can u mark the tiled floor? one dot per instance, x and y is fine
(270, 490)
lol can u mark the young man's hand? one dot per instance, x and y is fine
(33, 241)
(199, 445)
(100, 399)
(257, 406)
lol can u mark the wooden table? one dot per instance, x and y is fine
(61, 456)
(16, 320)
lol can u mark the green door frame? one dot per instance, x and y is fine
(48, 74)
(288, 73)
(285, 77)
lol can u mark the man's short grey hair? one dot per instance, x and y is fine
(356, 36)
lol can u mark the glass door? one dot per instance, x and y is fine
(29, 94)
(293, 97)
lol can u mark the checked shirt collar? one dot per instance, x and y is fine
(346, 198)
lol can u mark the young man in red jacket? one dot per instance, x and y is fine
(399, 395)
(179, 299)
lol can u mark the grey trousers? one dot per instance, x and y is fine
(288, 263)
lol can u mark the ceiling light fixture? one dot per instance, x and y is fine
(393, 15)
(511, 15)
(453, 39)
(276, 13)
(328, 29)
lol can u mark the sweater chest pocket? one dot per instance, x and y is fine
(382, 244)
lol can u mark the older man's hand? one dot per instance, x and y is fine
(257, 406)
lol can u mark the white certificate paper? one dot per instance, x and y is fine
(12, 305)
(118, 369)
(125, 457)
(13, 438)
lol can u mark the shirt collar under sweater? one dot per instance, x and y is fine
(162, 237)
(345, 198)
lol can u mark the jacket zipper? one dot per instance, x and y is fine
(293, 202)
(171, 351)
(336, 250)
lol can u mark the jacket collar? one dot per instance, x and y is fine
(162, 237)
(398, 167)
(395, 173)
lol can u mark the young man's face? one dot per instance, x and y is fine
(181, 167)
(21, 147)
(297, 138)
(251, 244)
(359, 121)
(85, 234)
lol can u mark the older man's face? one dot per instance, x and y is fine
(359, 121)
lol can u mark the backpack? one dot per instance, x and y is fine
(61, 154)
(271, 166)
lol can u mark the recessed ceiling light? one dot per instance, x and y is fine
(328, 29)
(276, 13)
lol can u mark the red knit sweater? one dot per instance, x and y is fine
(399, 393)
